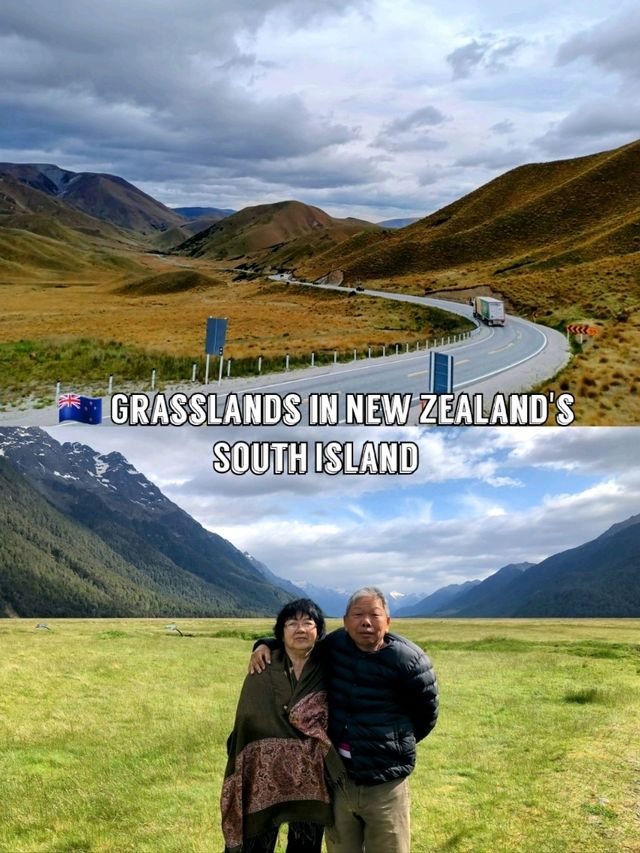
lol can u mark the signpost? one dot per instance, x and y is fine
(214, 343)
(581, 329)
(440, 373)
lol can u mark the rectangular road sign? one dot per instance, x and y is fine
(216, 333)
(440, 373)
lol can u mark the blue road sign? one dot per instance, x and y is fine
(440, 373)
(216, 333)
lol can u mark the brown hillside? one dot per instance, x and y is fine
(27, 208)
(548, 213)
(25, 255)
(176, 281)
(115, 200)
(106, 197)
(273, 234)
(166, 240)
(42, 237)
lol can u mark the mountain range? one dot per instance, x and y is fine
(534, 217)
(398, 223)
(85, 534)
(600, 578)
(436, 602)
(105, 197)
(278, 235)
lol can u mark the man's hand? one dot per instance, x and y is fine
(259, 659)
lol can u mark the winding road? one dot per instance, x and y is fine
(493, 360)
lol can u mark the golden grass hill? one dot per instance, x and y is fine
(558, 242)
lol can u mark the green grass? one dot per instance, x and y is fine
(31, 366)
(85, 362)
(112, 734)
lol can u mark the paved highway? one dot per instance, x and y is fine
(495, 359)
(505, 359)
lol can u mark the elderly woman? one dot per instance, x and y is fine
(279, 751)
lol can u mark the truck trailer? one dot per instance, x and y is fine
(489, 310)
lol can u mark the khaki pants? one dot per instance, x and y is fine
(371, 818)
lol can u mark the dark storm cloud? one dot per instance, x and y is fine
(129, 81)
(489, 53)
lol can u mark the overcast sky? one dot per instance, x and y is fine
(372, 108)
(482, 498)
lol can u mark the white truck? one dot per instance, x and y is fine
(489, 310)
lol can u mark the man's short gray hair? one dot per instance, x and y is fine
(367, 592)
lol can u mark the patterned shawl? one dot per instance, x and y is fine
(278, 752)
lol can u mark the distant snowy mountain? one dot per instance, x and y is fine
(331, 601)
(400, 601)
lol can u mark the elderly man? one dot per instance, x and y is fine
(383, 699)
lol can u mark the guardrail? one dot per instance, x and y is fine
(256, 366)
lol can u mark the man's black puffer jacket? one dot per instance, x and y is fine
(380, 703)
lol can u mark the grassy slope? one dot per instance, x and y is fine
(559, 242)
(115, 200)
(51, 251)
(273, 234)
(174, 281)
(535, 749)
(266, 319)
(29, 209)
(43, 238)
(531, 214)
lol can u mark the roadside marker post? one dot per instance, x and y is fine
(214, 343)
(440, 373)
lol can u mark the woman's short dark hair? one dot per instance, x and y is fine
(304, 606)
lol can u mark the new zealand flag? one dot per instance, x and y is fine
(86, 410)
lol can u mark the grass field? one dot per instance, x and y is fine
(603, 373)
(155, 312)
(80, 331)
(112, 734)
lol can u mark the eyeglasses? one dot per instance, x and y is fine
(307, 624)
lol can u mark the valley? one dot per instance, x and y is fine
(558, 242)
(160, 314)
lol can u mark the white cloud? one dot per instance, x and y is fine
(350, 105)
(595, 125)
(612, 45)
(481, 499)
(490, 53)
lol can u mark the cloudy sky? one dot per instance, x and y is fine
(482, 498)
(373, 108)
